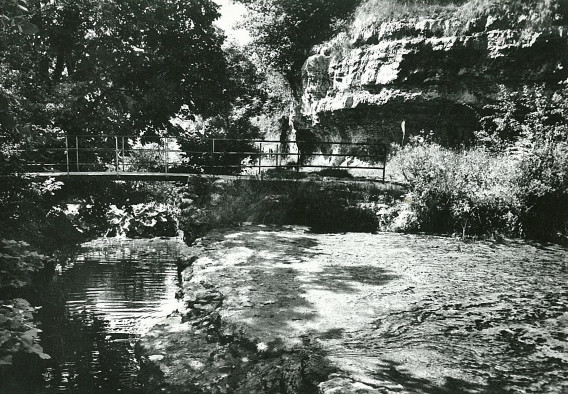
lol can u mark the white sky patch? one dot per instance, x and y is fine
(231, 14)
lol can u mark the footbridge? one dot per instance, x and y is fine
(167, 158)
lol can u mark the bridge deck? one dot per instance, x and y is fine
(182, 177)
(153, 176)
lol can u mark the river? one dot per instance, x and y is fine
(103, 297)
(392, 312)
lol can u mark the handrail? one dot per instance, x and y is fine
(252, 140)
(79, 154)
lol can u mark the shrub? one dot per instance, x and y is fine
(477, 192)
(531, 128)
(543, 190)
(288, 172)
(18, 332)
(466, 192)
(335, 172)
(18, 262)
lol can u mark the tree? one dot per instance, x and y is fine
(96, 67)
(246, 97)
(285, 31)
(114, 67)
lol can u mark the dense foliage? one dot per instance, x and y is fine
(18, 263)
(144, 220)
(259, 98)
(111, 67)
(514, 182)
(18, 332)
(284, 31)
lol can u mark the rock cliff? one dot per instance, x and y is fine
(386, 81)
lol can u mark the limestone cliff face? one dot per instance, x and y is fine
(392, 80)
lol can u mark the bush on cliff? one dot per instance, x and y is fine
(515, 181)
(542, 189)
(526, 15)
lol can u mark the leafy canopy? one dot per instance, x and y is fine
(115, 67)
(285, 31)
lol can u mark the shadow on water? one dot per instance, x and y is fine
(342, 278)
(92, 313)
(393, 372)
(280, 263)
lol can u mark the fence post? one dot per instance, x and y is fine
(277, 155)
(67, 153)
(384, 158)
(212, 155)
(77, 151)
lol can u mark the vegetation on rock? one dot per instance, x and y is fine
(465, 14)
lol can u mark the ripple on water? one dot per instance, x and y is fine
(108, 293)
(490, 315)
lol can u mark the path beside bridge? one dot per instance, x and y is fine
(285, 310)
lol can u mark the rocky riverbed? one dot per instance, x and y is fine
(283, 310)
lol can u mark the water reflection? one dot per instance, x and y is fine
(105, 296)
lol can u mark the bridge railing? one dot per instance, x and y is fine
(212, 155)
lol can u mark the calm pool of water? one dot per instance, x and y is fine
(105, 296)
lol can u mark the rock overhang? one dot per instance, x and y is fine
(427, 74)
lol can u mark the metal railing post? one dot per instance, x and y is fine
(260, 160)
(116, 153)
(123, 154)
(277, 155)
(166, 153)
(384, 152)
(67, 152)
(77, 151)
(212, 154)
